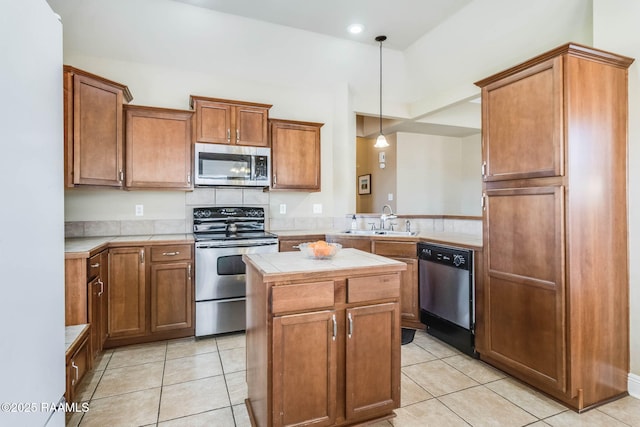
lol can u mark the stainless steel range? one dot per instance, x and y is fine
(223, 235)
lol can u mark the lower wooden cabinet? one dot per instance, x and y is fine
(150, 293)
(329, 356)
(78, 359)
(288, 244)
(127, 292)
(305, 352)
(409, 300)
(362, 243)
(171, 296)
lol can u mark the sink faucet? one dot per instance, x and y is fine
(384, 217)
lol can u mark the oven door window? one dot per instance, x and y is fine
(231, 265)
(224, 166)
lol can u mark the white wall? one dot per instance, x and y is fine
(32, 360)
(615, 29)
(438, 175)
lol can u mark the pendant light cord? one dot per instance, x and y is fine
(381, 87)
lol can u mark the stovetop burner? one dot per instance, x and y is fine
(229, 223)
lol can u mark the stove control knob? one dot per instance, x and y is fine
(206, 213)
(458, 260)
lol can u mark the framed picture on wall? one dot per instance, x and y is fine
(364, 184)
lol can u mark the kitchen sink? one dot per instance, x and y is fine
(381, 233)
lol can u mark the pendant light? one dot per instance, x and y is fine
(381, 142)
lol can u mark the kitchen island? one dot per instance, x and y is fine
(323, 338)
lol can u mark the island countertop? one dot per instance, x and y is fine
(290, 265)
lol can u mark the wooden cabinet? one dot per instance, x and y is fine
(323, 352)
(407, 253)
(127, 292)
(171, 288)
(86, 290)
(93, 128)
(288, 244)
(77, 358)
(158, 148)
(98, 292)
(305, 351)
(221, 121)
(361, 243)
(555, 301)
(151, 293)
(295, 156)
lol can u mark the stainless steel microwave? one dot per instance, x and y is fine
(218, 164)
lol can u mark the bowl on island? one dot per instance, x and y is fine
(320, 249)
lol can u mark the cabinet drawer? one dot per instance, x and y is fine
(93, 267)
(170, 253)
(399, 249)
(302, 296)
(371, 288)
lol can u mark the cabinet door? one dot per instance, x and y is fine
(522, 124)
(304, 353)
(295, 156)
(524, 291)
(158, 148)
(127, 292)
(213, 122)
(97, 133)
(251, 126)
(171, 296)
(95, 318)
(104, 297)
(372, 360)
(409, 309)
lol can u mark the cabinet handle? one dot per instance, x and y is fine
(237, 135)
(295, 247)
(96, 265)
(484, 202)
(189, 272)
(171, 253)
(141, 256)
(228, 135)
(484, 168)
(75, 375)
(335, 327)
(274, 179)
(350, 325)
(189, 178)
(121, 175)
(101, 287)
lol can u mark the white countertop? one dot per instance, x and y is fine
(278, 263)
(82, 246)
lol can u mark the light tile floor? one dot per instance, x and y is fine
(191, 382)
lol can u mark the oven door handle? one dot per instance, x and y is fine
(238, 245)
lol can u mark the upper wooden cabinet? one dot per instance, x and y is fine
(93, 129)
(158, 148)
(295, 155)
(531, 146)
(554, 301)
(222, 121)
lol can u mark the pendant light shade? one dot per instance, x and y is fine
(381, 142)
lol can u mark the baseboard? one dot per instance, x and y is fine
(633, 384)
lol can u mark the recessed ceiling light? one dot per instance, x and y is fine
(355, 28)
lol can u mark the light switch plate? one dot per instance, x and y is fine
(317, 208)
(139, 210)
(283, 208)
(390, 196)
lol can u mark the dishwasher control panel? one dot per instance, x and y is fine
(455, 257)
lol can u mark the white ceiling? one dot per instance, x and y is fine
(402, 21)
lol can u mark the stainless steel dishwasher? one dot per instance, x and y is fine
(447, 294)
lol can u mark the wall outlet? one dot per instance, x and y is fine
(317, 208)
(139, 210)
(283, 208)
(390, 196)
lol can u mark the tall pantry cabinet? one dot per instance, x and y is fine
(555, 300)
